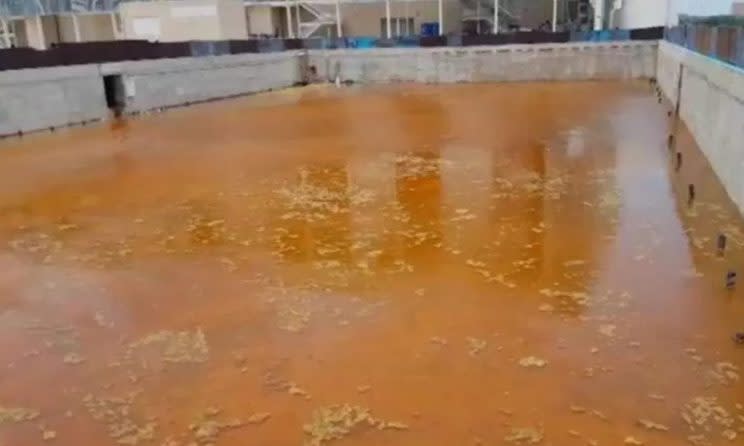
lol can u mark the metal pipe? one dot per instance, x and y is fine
(40, 33)
(387, 16)
(478, 17)
(76, 27)
(339, 30)
(114, 27)
(555, 15)
(495, 16)
(299, 28)
(598, 14)
(441, 17)
(290, 33)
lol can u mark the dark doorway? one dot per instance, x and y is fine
(113, 86)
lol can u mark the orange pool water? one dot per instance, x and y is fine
(400, 265)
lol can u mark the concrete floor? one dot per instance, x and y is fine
(401, 265)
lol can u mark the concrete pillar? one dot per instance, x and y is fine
(555, 15)
(339, 29)
(6, 32)
(441, 17)
(387, 19)
(713, 46)
(76, 27)
(35, 33)
(290, 32)
(40, 33)
(495, 16)
(297, 12)
(114, 26)
(478, 17)
(598, 14)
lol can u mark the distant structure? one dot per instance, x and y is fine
(648, 13)
(42, 23)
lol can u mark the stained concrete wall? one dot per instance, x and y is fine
(711, 105)
(627, 60)
(38, 99)
(171, 82)
(41, 98)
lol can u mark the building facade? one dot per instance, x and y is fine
(179, 20)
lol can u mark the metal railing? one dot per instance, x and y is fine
(122, 50)
(722, 42)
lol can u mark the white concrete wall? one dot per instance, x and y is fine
(171, 21)
(580, 61)
(641, 14)
(697, 7)
(712, 106)
(260, 20)
(41, 98)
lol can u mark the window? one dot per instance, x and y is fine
(399, 27)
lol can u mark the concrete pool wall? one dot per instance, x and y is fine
(711, 104)
(39, 99)
(560, 62)
(43, 98)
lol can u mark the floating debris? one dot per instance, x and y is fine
(206, 430)
(738, 338)
(569, 299)
(73, 358)
(533, 361)
(704, 414)
(476, 346)
(102, 321)
(650, 425)
(600, 415)
(724, 373)
(48, 435)
(17, 414)
(633, 441)
(258, 418)
(363, 389)
(295, 390)
(577, 409)
(116, 414)
(176, 347)
(438, 340)
(396, 425)
(475, 264)
(525, 435)
(335, 422)
(607, 330)
(547, 308)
